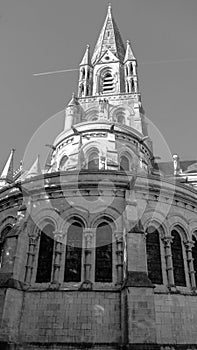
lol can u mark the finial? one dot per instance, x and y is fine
(88, 46)
(109, 7)
(128, 42)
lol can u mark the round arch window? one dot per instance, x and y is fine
(93, 161)
(124, 163)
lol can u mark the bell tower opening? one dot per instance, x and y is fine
(106, 84)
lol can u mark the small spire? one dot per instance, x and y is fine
(109, 8)
(73, 101)
(86, 58)
(35, 168)
(8, 170)
(129, 56)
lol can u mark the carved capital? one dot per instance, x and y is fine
(58, 236)
(167, 240)
(189, 245)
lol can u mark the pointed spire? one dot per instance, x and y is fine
(35, 168)
(8, 170)
(129, 56)
(109, 38)
(73, 101)
(86, 58)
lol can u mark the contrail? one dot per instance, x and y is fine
(150, 62)
(171, 61)
(54, 72)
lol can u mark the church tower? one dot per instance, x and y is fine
(98, 249)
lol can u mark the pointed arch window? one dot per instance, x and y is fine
(103, 254)
(4, 248)
(93, 160)
(106, 81)
(153, 255)
(124, 163)
(72, 272)
(45, 255)
(194, 255)
(83, 73)
(177, 260)
(131, 69)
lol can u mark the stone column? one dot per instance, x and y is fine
(168, 255)
(88, 234)
(189, 245)
(119, 256)
(30, 258)
(57, 257)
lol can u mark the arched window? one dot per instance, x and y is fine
(177, 259)
(93, 160)
(4, 248)
(103, 263)
(106, 81)
(72, 272)
(88, 74)
(87, 91)
(83, 73)
(153, 255)
(131, 69)
(63, 162)
(81, 90)
(124, 163)
(132, 86)
(194, 255)
(45, 256)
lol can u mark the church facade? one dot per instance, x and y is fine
(98, 250)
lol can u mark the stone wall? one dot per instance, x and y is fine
(71, 317)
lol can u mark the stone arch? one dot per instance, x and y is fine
(92, 114)
(151, 215)
(48, 215)
(105, 218)
(179, 222)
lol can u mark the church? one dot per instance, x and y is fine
(98, 249)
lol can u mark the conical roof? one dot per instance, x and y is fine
(109, 38)
(8, 170)
(129, 56)
(35, 168)
(86, 58)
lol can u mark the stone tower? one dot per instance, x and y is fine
(98, 250)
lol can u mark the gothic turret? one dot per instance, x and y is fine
(85, 75)
(72, 115)
(130, 69)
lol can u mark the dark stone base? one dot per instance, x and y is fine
(94, 346)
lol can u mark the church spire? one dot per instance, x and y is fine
(109, 38)
(8, 170)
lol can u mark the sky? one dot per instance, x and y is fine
(46, 35)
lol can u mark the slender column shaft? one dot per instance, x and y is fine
(169, 264)
(189, 245)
